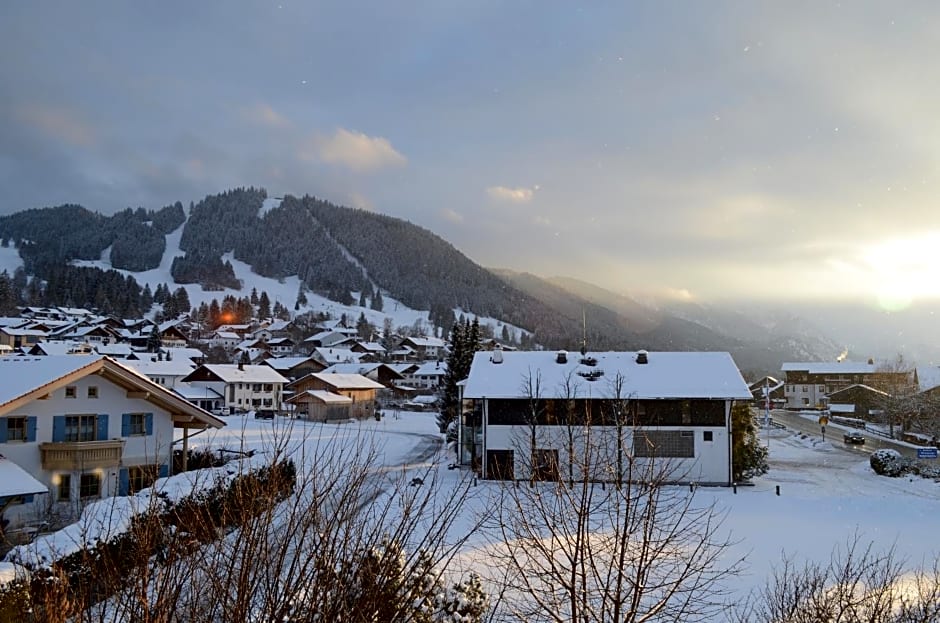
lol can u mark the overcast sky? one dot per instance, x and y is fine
(703, 149)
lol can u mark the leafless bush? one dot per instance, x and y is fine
(857, 585)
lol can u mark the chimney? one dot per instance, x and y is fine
(497, 356)
(241, 365)
(561, 357)
(642, 357)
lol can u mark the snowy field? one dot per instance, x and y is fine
(827, 493)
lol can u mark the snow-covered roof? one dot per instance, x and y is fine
(227, 335)
(12, 321)
(348, 381)
(277, 341)
(285, 363)
(431, 368)
(195, 392)
(29, 378)
(24, 332)
(426, 342)
(175, 367)
(351, 368)
(372, 347)
(322, 396)
(830, 367)
(666, 375)
(183, 352)
(337, 355)
(60, 348)
(928, 377)
(841, 408)
(232, 373)
(14, 480)
(861, 386)
(115, 350)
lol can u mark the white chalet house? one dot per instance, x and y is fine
(86, 427)
(242, 387)
(671, 407)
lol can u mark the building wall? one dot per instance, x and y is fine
(709, 465)
(154, 449)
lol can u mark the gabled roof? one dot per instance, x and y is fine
(347, 381)
(372, 347)
(174, 367)
(431, 368)
(928, 377)
(321, 396)
(830, 367)
(425, 342)
(196, 392)
(286, 363)
(666, 375)
(30, 378)
(16, 481)
(856, 387)
(232, 373)
(336, 355)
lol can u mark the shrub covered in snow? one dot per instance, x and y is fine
(888, 462)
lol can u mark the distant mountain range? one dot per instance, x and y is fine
(336, 250)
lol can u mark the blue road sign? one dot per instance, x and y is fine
(927, 453)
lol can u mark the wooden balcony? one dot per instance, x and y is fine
(81, 455)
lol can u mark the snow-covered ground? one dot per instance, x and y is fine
(827, 493)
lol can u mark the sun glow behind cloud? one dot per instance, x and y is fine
(900, 270)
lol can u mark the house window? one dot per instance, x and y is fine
(71, 392)
(65, 487)
(92, 391)
(89, 486)
(136, 424)
(268, 387)
(708, 435)
(81, 427)
(256, 387)
(16, 429)
(140, 477)
(664, 443)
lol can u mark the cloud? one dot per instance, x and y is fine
(358, 200)
(512, 195)
(264, 114)
(357, 151)
(450, 215)
(59, 124)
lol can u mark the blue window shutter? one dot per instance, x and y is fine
(102, 426)
(125, 424)
(149, 423)
(164, 470)
(30, 428)
(58, 428)
(3, 429)
(124, 481)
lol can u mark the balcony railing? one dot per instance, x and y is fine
(81, 455)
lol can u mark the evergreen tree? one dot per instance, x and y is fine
(364, 328)
(301, 298)
(254, 296)
(181, 300)
(146, 298)
(464, 343)
(153, 341)
(362, 298)
(748, 456)
(215, 314)
(377, 302)
(504, 336)
(264, 306)
(8, 299)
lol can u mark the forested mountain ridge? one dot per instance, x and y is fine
(335, 251)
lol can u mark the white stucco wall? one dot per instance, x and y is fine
(112, 400)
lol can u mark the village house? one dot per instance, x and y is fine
(293, 368)
(243, 387)
(424, 348)
(808, 385)
(356, 387)
(87, 427)
(671, 407)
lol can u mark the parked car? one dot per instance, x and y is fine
(264, 414)
(854, 437)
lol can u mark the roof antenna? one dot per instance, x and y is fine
(583, 333)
